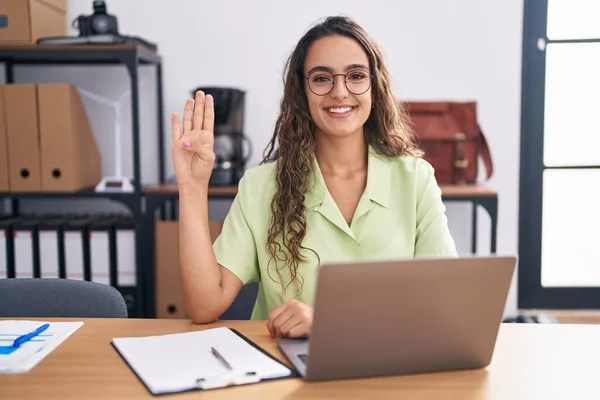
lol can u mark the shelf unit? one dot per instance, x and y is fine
(132, 57)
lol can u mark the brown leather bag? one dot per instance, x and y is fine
(450, 136)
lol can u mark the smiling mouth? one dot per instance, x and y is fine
(339, 111)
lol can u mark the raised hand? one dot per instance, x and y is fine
(192, 147)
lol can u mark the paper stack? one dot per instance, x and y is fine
(15, 360)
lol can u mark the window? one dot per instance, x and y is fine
(559, 221)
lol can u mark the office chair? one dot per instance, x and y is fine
(242, 306)
(50, 297)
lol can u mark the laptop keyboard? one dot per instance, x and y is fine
(303, 358)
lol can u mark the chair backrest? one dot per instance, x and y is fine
(51, 297)
(242, 306)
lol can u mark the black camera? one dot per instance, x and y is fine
(99, 23)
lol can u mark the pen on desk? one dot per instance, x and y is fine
(27, 337)
(221, 358)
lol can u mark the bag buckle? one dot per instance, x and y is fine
(462, 164)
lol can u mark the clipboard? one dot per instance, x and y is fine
(222, 380)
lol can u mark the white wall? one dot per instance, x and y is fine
(436, 49)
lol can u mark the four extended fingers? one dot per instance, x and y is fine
(199, 110)
(198, 113)
(175, 127)
(188, 111)
(209, 114)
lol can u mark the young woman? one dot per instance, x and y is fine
(342, 180)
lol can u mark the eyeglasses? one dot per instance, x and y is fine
(357, 81)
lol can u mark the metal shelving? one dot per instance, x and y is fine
(132, 57)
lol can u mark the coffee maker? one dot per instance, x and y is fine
(230, 140)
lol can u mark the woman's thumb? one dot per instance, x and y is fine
(196, 147)
(191, 146)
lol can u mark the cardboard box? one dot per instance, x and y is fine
(23, 144)
(26, 21)
(168, 295)
(70, 158)
(4, 185)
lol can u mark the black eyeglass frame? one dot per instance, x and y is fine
(345, 82)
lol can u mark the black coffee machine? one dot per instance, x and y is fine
(230, 140)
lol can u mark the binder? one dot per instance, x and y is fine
(51, 246)
(182, 362)
(125, 252)
(69, 154)
(7, 257)
(121, 258)
(23, 140)
(4, 180)
(101, 251)
(3, 253)
(112, 250)
(77, 248)
(168, 295)
(26, 245)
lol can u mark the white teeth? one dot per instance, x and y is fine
(340, 110)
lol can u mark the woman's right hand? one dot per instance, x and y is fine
(192, 147)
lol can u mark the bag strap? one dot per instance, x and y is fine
(486, 155)
(460, 163)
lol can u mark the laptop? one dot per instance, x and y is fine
(403, 317)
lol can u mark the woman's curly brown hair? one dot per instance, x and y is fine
(292, 145)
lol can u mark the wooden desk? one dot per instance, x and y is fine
(171, 190)
(531, 361)
(453, 191)
(478, 195)
(568, 316)
(165, 197)
(448, 191)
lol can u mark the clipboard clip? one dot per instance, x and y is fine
(226, 380)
